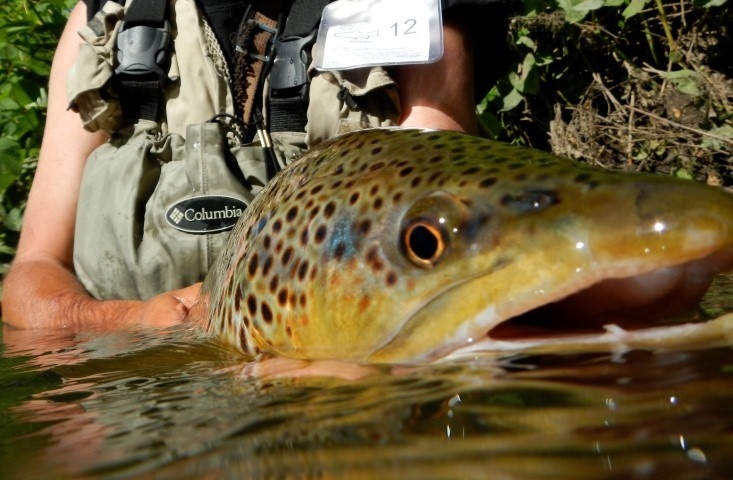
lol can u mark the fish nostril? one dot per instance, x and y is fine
(530, 201)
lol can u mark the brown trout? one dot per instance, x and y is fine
(411, 245)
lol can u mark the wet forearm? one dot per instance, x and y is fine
(43, 294)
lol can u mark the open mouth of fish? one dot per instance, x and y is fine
(622, 308)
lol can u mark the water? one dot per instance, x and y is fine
(170, 405)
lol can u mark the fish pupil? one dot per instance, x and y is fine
(424, 244)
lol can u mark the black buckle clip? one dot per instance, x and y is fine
(142, 51)
(290, 68)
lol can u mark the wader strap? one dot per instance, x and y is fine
(288, 78)
(142, 55)
(252, 53)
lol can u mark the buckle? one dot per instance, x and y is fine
(142, 51)
(290, 68)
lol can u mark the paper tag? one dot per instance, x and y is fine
(363, 33)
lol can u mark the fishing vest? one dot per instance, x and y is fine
(187, 152)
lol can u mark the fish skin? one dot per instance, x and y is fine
(319, 267)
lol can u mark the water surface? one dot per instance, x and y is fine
(171, 405)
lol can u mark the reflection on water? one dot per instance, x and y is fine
(171, 406)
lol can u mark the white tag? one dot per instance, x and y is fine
(363, 33)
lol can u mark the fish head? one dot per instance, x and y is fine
(407, 245)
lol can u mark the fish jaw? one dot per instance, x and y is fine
(632, 241)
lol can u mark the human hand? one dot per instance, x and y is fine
(164, 310)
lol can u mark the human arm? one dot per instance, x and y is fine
(440, 95)
(40, 290)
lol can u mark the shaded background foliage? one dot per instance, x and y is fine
(632, 84)
(28, 35)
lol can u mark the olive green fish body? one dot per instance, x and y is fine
(406, 245)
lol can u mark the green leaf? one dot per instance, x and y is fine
(726, 131)
(512, 100)
(634, 7)
(10, 166)
(14, 220)
(576, 10)
(708, 3)
(684, 80)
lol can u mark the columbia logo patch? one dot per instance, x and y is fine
(176, 215)
(205, 214)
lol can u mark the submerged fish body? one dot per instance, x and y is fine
(409, 245)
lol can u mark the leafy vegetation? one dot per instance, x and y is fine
(635, 84)
(28, 35)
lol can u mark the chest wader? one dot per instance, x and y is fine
(157, 200)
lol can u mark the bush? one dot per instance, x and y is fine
(29, 32)
(633, 84)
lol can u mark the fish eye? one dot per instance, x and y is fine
(424, 243)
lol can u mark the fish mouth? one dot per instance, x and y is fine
(666, 296)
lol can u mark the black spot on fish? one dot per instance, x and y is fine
(253, 264)
(586, 179)
(434, 176)
(252, 304)
(406, 171)
(277, 225)
(487, 182)
(282, 297)
(315, 211)
(321, 233)
(274, 282)
(354, 198)
(338, 251)
(391, 279)
(303, 270)
(471, 171)
(266, 242)
(267, 266)
(365, 226)
(292, 213)
(304, 237)
(329, 210)
(287, 255)
(266, 312)
(416, 181)
(376, 166)
(373, 260)
(378, 202)
(316, 189)
(376, 150)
